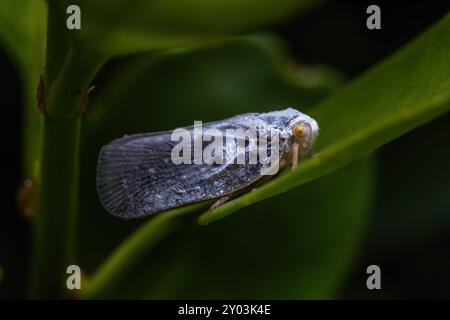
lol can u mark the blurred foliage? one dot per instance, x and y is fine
(179, 61)
(113, 28)
(22, 35)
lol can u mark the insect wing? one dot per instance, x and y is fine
(136, 175)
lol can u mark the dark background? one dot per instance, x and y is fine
(409, 234)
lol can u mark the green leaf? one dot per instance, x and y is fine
(407, 90)
(161, 24)
(22, 34)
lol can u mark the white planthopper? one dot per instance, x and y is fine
(141, 174)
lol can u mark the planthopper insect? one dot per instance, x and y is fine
(141, 174)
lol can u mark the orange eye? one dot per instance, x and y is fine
(298, 130)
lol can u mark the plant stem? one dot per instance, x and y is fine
(57, 175)
(55, 223)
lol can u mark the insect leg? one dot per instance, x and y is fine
(282, 164)
(295, 155)
(221, 201)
